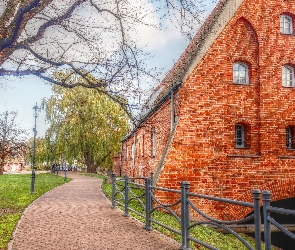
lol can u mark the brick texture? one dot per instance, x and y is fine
(144, 161)
(209, 105)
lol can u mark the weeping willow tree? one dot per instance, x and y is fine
(95, 124)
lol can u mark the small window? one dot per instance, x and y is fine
(242, 136)
(290, 137)
(286, 24)
(153, 142)
(127, 153)
(287, 76)
(240, 73)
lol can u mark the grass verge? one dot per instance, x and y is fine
(15, 197)
(206, 234)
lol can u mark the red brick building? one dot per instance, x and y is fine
(224, 116)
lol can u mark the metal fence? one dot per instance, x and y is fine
(125, 190)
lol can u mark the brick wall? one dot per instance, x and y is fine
(144, 162)
(210, 105)
(117, 164)
(203, 150)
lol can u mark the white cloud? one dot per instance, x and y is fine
(155, 39)
(149, 35)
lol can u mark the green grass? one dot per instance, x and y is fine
(15, 197)
(202, 233)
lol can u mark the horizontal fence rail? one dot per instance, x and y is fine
(141, 192)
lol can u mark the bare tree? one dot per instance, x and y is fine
(13, 139)
(40, 37)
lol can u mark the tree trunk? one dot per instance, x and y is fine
(2, 166)
(89, 162)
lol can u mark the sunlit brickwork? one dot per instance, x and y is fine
(209, 105)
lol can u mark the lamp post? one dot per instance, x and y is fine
(53, 165)
(67, 137)
(36, 113)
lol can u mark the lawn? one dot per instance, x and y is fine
(15, 197)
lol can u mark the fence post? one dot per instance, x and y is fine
(184, 185)
(113, 190)
(257, 218)
(126, 195)
(266, 197)
(148, 204)
(152, 184)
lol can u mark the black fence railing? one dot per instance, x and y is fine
(125, 190)
(268, 220)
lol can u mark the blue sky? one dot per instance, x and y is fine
(21, 93)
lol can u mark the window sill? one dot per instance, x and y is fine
(244, 156)
(288, 87)
(286, 157)
(287, 34)
(235, 83)
(242, 147)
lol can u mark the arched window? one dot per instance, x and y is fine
(286, 24)
(240, 73)
(287, 76)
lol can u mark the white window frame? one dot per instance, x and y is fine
(289, 137)
(240, 73)
(240, 136)
(288, 76)
(286, 26)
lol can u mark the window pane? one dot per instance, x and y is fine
(240, 73)
(289, 137)
(236, 67)
(287, 76)
(242, 67)
(240, 140)
(286, 24)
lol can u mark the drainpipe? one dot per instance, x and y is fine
(134, 153)
(120, 166)
(172, 119)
